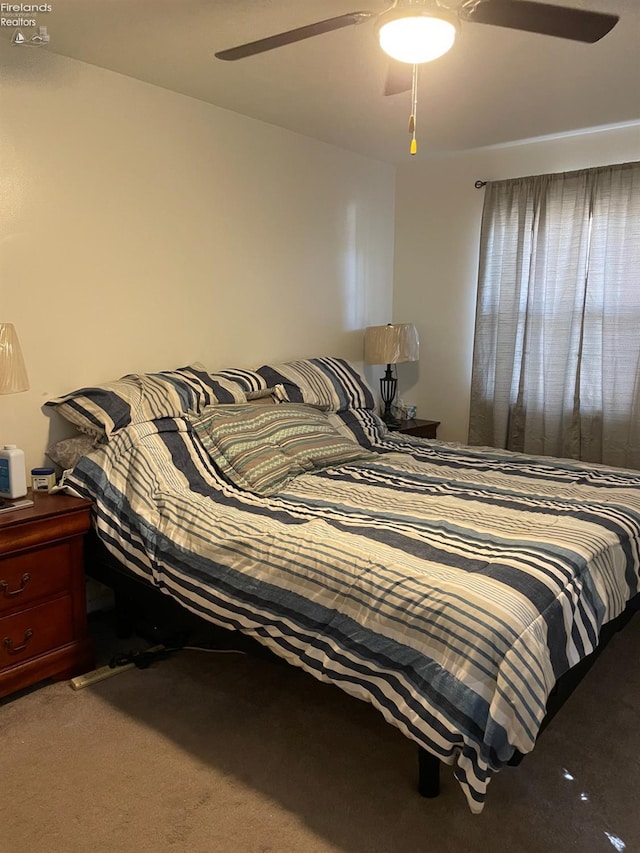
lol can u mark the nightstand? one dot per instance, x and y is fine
(421, 429)
(43, 611)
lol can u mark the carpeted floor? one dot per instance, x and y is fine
(225, 753)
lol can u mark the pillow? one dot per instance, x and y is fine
(104, 409)
(267, 395)
(331, 384)
(68, 451)
(260, 448)
(249, 380)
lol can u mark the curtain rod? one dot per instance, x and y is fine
(628, 164)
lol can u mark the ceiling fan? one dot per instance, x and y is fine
(416, 31)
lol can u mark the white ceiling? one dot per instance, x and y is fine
(495, 85)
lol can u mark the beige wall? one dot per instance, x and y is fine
(142, 230)
(438, 213)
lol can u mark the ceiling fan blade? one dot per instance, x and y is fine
(291, 36)
(543, 18)
(399, 78)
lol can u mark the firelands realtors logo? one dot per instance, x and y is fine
(21, 18)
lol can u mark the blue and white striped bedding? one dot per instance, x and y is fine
(449, 586)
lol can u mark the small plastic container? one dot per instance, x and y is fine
(13, 472)
(42, 479)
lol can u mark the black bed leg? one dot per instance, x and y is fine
(428, 774)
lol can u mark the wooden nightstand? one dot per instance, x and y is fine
(43, 611)
(422, 429)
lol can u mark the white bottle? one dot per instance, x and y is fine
(13, 472)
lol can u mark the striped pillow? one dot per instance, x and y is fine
(260, 448)
(331, 384)
(104, 409)
(249, 380)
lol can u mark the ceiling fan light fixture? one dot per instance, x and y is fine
(415, 37)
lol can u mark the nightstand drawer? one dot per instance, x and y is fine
(34, 575)
(43, 615)
(32, 632)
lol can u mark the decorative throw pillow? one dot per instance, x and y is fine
(68, 451)
(260, 448)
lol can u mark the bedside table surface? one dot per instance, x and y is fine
(44, 505)
(418, 428)
(417, 422)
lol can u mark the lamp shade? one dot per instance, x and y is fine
(391, 344)
(13, 373)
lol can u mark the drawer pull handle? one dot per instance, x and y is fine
(14, 650)
(4, 586)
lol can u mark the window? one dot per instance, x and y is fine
(556, 367)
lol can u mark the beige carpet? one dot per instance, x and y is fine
(226, 753)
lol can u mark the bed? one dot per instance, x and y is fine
(454, 588)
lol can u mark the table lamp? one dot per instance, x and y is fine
(13, 378)
(13, 373)
(390, 344)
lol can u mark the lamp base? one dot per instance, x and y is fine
(391, 422)
(388, 386)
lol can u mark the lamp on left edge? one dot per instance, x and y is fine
(13, 373)
(13, 379)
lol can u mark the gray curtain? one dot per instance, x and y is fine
(556, 363)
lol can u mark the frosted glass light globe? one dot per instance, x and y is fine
(416, 38)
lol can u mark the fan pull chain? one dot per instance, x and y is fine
(414, 110)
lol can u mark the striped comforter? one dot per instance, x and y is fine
(449, 586)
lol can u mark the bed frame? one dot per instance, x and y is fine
(145, 611)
